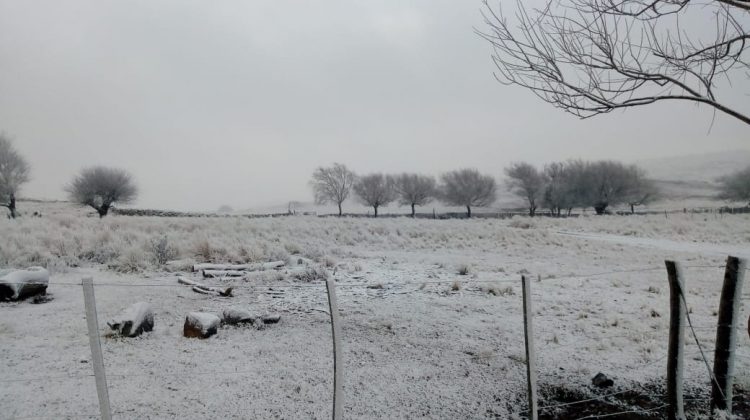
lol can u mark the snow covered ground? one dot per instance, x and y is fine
(422, 341)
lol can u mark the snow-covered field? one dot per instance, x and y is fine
(422, 341)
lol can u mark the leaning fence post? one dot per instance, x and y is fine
(675, 410)
(726, 334)
(528, 330)
(338, 365)
(96, 348)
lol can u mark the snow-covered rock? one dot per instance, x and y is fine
(134, 320)
(233, 316)
(271, 319)
(201, 324)
(21, 284)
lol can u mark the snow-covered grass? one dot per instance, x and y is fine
(431, 313)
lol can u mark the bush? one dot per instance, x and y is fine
(162, 251)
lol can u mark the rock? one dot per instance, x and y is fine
(271, 319)
(234, 316)
(134, 320)
(601, 381)
(200, 325)
(22, 284)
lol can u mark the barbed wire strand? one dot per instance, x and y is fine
(698, 343)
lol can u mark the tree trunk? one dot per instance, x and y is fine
(532, 211)
(468, 212)
(413, 212)
(103, 210)
(600, 208)
(376, 210)
(632, 209)
(12, 206)
(340, 213)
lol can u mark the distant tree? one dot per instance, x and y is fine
(527, 182)
(332, 184)
(467, 188)
(414, 190)
(642, 190)
(100, 187)
(14, 171)
(556, 196)
(611, 183)
(568, 186)
(375, 190)
(736, 187)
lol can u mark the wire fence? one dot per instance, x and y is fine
(578, 338)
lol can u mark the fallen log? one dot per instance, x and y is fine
(223, 273)
(21, 284)
(202, 288)
(239, 267)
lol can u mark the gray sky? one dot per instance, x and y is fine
(236, 102)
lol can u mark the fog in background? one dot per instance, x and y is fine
(237, 102)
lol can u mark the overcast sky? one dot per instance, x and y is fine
(236, 102)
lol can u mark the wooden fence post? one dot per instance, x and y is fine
(338, 365)
(726, 334)
(675, 410)
(97, 360)
(528, 330)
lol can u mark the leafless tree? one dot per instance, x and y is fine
(590, 57)
(414, 190)
(14, 171)
(101, 187)
(642, 190)
(736, 187)
(467, 188)
(568, 186)
(611, 183)
(332, 184)
(527, 182)
(375, 190)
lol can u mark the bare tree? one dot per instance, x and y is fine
(591, 57)
(375, 190)
(527, 182)
(569, 185)
(611, 183)
(14, 171)
(557, 195)
(414, 190)
(101, 187)
(467, 188)
(642, 190)
(736, 187)
(332, 184)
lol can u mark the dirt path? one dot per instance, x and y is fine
(706, 249)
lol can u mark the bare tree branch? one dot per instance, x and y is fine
(590, 57)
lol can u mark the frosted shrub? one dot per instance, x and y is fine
(203, 250)
(312, 273)
(521, 223)
(463, 269)
(132, 260)
(162, 251)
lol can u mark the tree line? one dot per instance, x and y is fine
(557, 186)
(464, 187)
(563, 186)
